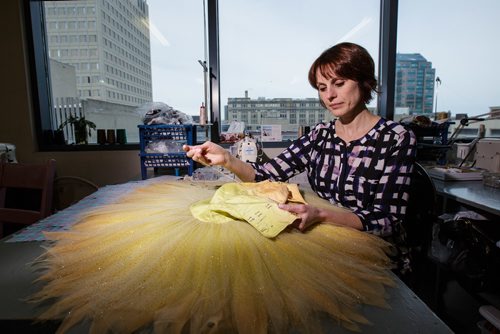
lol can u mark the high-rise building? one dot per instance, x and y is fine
(414, 83)
(107, 42)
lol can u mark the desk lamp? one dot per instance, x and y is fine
(479, 118)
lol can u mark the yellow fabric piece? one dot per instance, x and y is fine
(145, 264)
(277, 191)
(255, 203)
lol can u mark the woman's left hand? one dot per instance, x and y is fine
(307, 215)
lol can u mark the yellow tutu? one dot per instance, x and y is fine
(145, 263)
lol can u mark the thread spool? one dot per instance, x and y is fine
(203, 114)
(101, 136)
(111, 136)
(121, 136)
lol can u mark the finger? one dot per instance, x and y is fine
(285, 207)
(299, 224)
(292, 208)
(200, 156)
(206, 145)
(202, 160)
(302, 225)
(190, 151)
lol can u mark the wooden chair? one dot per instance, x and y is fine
(26, 193)
(68, 190)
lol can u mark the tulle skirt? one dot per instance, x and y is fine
(144, 263)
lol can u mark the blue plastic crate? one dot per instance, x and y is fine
(184, 134)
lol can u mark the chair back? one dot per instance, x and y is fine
(68, 190)
(26, 192)
(421, 209)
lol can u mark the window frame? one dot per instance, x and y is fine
(40, 85)
(38, 69)
(41, 88)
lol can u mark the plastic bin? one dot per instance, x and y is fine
(184, 134)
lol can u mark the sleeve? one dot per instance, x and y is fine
(392, 192)
(293, 160)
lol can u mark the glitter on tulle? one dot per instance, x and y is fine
(144, 262)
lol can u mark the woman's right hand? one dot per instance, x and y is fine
(208, 154)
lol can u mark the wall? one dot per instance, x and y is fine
(108, 115)
(16, 121)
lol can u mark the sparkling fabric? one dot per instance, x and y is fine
(145, 263)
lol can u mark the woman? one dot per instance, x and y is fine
(359, 160)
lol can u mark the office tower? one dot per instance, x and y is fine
(414, 83)
(107, 42)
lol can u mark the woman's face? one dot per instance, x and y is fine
(342, 97)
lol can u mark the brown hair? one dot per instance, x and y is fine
(347, 61)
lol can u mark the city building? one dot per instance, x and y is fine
(414, 83)
(289, 113)
(100, 62)
(107, 42)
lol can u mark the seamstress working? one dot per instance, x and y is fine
(358, 160)
(174, 256)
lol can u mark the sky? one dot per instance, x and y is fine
(267, 46)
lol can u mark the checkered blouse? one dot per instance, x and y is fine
(370, 176)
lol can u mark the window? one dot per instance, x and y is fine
(130, 68)
(66, 42)
(178, 76)
(452, 54)
(267, 47)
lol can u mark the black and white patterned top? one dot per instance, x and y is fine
(370, 176)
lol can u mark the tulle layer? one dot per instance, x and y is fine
(146, 263)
